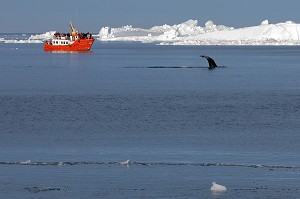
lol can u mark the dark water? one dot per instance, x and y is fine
(76, 116)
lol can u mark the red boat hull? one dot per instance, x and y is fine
(78, 45)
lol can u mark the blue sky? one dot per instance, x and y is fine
(38, 16)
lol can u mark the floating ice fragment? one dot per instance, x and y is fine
(26, 162)
(217, 188)
(125, 162)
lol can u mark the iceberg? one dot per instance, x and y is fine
(190, 33)
(39, 38)
(43, 37)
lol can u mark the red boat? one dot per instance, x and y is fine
(70, 42)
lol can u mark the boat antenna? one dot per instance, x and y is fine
(76, 15)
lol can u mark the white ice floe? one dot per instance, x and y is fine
(189, 33)
(217, 188)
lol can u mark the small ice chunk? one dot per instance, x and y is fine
(125, 162)
(26, 162)
(217, 188)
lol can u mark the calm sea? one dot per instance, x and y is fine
(69, 120)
